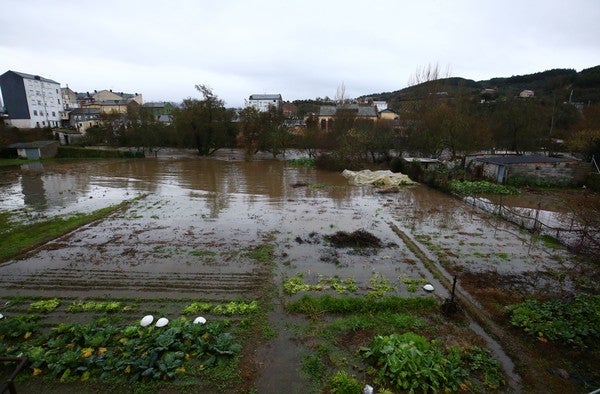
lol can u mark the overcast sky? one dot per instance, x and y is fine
(300, 49)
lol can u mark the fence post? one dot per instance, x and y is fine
(537, 214)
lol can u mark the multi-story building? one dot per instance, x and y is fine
(31, 100)
(262, 102)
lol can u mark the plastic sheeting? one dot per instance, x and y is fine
(382, 177)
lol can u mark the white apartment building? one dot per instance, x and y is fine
(262, 102)
(30, 100)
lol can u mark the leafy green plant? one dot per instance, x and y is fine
(236, 308)
(379, 287)
(344, 383)
(481, 362)
(45, 306)
(480, 187)
(97, 306)
(412, 284)
(20, 326)
(575, 322)
(296, 284)
(197, 307)
(83, 351)
(230, 308)
(410, 362)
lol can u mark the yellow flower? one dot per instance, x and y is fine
(122, 341)
(128, 369)
(101, 351)
(27, 335)
(180, 370)
(37, 371)
(86, 352)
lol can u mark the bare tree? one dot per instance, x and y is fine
(340, 94)
(427, 74)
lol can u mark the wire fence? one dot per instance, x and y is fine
(581, 236)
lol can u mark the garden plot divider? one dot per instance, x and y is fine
(566, 228)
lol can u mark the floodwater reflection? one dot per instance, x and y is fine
(60, 188)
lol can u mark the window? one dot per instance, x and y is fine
(58, 100)
(53, 113)
(35, 112)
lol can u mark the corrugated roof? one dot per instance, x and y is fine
(522, 159)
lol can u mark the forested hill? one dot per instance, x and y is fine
(559, 83)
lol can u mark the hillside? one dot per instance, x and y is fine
(583, 86)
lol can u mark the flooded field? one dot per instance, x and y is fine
(191, 232)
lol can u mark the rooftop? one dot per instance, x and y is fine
(265, 97)
(31, 76)
(522, 159)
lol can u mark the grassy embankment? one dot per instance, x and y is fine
(17, 237)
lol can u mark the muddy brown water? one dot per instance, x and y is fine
(188, 235)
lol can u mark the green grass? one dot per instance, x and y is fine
(344, 305)
(13, 162)
(18, 237)
(263, 253)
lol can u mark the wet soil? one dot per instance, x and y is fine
(190, 237)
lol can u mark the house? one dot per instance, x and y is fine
(101, 96)
(35, 150)
(380, 105)
(388, 114)
(69, 98)
(526, 94)
(530, 168)
(110, 96)
(422, 162)
(160, 110)
(82, 119)
(262, 102)
(30, 100)
(68, 136)
(328, 113)
(109, 107)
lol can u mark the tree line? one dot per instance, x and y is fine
(430, 127)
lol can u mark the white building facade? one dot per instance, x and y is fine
(30, 100)
(262, 102)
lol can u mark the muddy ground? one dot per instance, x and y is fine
(189, 235)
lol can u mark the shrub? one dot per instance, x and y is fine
(79, 153)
